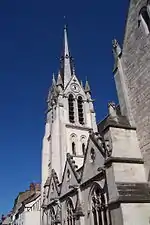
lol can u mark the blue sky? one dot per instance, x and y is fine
(30, 46)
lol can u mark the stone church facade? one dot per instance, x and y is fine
(94, 174)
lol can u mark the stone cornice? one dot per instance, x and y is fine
(78, 127)
(111, 160)
(118, 126)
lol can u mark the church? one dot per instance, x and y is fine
(98, 174)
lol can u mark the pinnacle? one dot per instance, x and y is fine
(53, 80)
(87, 87)
(59, 80)
(81, 83)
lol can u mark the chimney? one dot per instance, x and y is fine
(37, 187)
(32, 187)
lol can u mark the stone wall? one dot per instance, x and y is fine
(136, 60)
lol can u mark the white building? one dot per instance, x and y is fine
(66, 134)
(27, 207)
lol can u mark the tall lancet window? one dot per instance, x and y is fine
(145, 18)
(70, 211)
(71, 108)
(100, 212)
(83, 144)
(73, 148)
(80, 110)
(83, 148)
(73, 140)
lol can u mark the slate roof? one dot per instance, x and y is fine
(24, 196)
(32, 198)
(21, 198)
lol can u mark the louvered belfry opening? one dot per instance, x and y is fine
(80, 110)
(71, 108)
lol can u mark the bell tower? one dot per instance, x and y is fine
(70, 117)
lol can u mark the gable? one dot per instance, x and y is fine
(94, 159)
(53, 192)
(74, 86)
(68, 179)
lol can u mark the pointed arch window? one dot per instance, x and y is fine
(70, 211)
(71, 108)
(100, 212)
(80, 110)
(145, 18)
(73, 148)
(83, 144)
(73, 140)
(83, 148)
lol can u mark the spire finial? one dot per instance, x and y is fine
(66, 47)
(81, 84)
(87, 86)
(53, 79)
(66, 66)
(65, 24)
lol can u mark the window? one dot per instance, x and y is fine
(68, 175)
(73, 148)
(71, 108)
(52, 189)
(80, 110)
(70, 211)
(83, 148)
(145, 19)
(92, 155)
(99, 209)
(73, 143)
(83, 144)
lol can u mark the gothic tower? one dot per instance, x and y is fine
(70, 117)
(132, 73)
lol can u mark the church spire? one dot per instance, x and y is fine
(66, 64)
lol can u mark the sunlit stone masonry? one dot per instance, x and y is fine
(98, 174)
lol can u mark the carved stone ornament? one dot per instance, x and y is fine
(100, 141)
(92, 155)
(108, 148)
(116, 48)
(75, 88)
